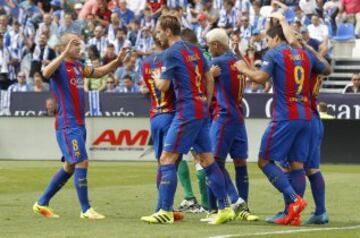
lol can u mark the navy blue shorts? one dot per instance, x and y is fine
(72, 143)
(229, 138)
(159, 128)
(184, 134)
(286, 141)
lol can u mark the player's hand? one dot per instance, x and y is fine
(241, 66)
(215, 71)
(278, 15)
(123, 56)
(72, 43)
(156, 74)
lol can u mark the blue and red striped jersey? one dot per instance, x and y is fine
(186, 66)
(161, 102)
(229, 89)
(290, 69)
(315, 88)
(67, 86)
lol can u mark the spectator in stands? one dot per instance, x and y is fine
(147, 19)
(128, 69)
(39, 84)
(202, 28)
(121, 41)
(41, 53)
(354, 87)
(111, 84)
(89, 28)
(185, 20)
(68, 25)
(103, 14)
(20, 85)
(50, 108)
(48, 25)
(350, 11)
(301, 17)
(95, 84)
(145, 41)
(228, 16)
(92, 54)
(5, 57)
(109, 54)
(308, 6)
(323, 111)
(99, 40)
(257, 21)
(318, 30)
(133, 32)
(125, 14)
(113, 27)
(129, 86)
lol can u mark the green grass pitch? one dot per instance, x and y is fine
(124, 191)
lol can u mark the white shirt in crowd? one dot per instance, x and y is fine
(319, 32)
(308, 6)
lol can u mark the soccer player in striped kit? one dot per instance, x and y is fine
(228, 132)
(187, 69)
(288, 134)
(67, 85)
(312, 164)
(162, 109)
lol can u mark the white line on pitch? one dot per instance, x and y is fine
(287, 232)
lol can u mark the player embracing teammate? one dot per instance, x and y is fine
(187, 69)
(288, 136)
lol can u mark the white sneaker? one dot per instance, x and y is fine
(91, 214)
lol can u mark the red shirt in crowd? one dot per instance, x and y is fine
(351, 6)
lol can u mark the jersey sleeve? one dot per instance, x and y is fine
(268, 62)
(206, 64)
(168, 70)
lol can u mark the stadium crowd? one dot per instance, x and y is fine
(30, 29)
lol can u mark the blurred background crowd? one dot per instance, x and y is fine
(30, 29)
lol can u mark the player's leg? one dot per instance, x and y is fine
(215, 177)
(57, 182)
(239, 154)
(275, 145)
(313, 172)
(221, 136)
(189, 204)
(200, 175)
(76, 142)
(174, 145)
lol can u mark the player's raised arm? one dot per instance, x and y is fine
(327, 67)
(108, 68)
(288, 32)
(71, 44)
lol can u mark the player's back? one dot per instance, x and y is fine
(290, 69)
(229, 89)
(161, 102)
(67, 86)
(186, 67)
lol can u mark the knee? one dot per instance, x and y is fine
(310, 172)
(296, 165)
(168, 158)
(262, 163)
(83, 164)
(206, 159)
(240, 162)
(69, 168)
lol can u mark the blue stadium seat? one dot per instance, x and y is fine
(345, 32)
